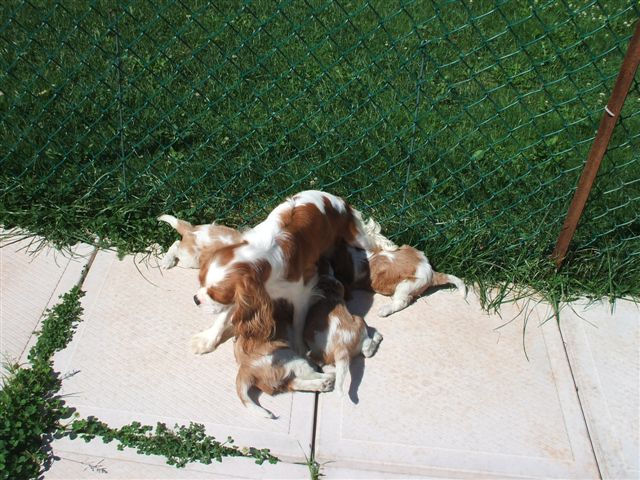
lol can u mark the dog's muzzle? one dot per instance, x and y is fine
(195, 299)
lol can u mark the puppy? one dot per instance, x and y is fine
(277, 260)
(187, 251)
(404, 274)
(333, 334)
(273, 367)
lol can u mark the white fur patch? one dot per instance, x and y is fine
(215, 274)
(264, 361)
(346, 337)
(317, 198)
(203, 238)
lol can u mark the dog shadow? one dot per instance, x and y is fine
(360, 302)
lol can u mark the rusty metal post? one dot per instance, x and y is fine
(599, 147)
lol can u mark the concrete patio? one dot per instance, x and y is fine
(449, 394)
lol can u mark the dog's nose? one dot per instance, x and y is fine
(195, 299)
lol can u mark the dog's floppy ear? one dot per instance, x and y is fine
(253, 316)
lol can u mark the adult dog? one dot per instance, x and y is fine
(277, 260)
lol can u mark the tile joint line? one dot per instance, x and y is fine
(577, 390)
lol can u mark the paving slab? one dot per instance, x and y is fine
(32, 277)
(76, 459)
(450, 393)
(603, 344)
(130, 360)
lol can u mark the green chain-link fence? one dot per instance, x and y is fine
(461, 126)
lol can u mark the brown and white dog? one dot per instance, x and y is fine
(333, 334)
(273, 367)
(277, 260)
(404, 273)
(186, 251)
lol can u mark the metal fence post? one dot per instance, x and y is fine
(599, 147)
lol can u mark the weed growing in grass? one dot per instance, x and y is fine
(315, 469)
(32, 413)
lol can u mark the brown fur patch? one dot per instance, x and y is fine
(252, 318)
(388, 269)
(270, 377)
(308, 234)
(352, 232)
(221, 255)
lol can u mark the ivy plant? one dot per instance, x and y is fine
(32, 412)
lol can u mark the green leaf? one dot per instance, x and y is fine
(477, 155)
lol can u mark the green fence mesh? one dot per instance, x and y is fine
(461, 126)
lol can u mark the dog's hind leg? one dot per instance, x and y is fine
(306, 379)
(402, 296)
(321, 382)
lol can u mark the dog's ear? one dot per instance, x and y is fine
(253, 316)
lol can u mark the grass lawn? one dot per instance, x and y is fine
(461, 126)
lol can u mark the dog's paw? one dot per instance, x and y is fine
(168, 262)
(201, 344)
(370, 345)
(385, 310)
(328, 382)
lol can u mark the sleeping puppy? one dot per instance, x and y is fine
(334, 335)
(404, 274)
(194, 238)
(273, 367)
(196, 241)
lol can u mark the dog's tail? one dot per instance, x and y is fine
(371, 231)
(446, 279)
(243, 384)
(181, 226)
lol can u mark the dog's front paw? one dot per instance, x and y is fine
(201, 343)
(385, 310)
